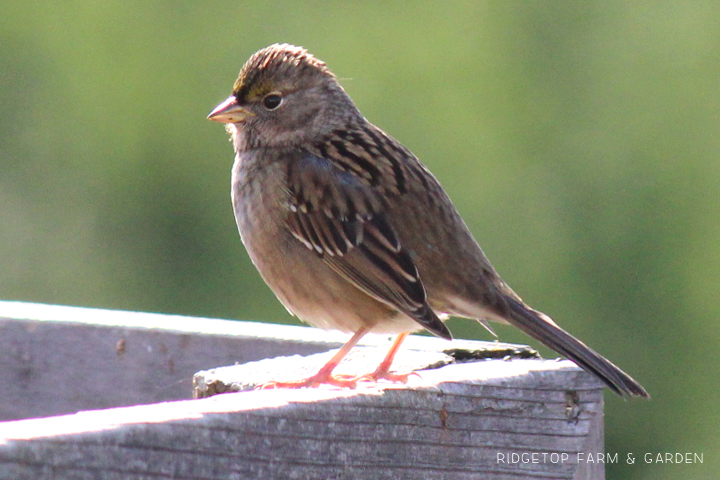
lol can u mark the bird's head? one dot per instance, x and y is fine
(284, 97)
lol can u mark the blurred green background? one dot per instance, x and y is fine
(580, 141)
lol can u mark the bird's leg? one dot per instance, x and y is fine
(383, 370)
(324, 376)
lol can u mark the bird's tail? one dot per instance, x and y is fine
(542, 328)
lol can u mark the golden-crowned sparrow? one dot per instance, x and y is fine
(350, 230)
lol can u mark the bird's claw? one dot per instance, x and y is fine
(342, 381)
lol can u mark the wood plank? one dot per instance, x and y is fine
(56, 359)
(415, 357)
(452, 423)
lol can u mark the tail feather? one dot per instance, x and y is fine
(542, 328)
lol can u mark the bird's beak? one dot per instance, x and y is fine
(229, 112)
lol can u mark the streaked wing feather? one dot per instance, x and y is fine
(346, 227)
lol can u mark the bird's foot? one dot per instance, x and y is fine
(384, 374)
(342, 381)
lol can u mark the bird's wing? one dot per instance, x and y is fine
(342, 219)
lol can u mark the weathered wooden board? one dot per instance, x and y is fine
(414, 359)
(56, 360)
(460, 421)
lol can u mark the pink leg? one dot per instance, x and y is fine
(324, 376)
(383, 370)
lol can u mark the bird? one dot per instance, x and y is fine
(351, 231)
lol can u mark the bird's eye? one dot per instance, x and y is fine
(272, 101)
